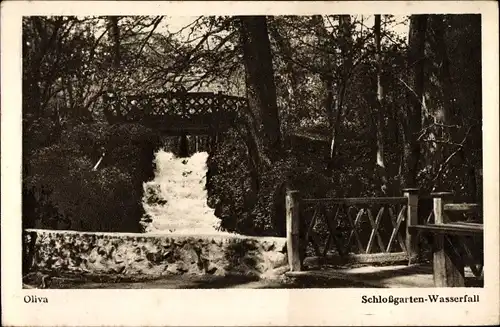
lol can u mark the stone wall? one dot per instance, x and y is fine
(154, 255)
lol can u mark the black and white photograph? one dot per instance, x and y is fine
(334, 150)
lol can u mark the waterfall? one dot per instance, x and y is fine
(176, 199)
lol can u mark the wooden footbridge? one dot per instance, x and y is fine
(328, 232)
(176, 112)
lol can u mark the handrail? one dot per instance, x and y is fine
(446, 269)
(472, 207)
(373, 200)
(167, 105)
(408, 213)
(452, 229)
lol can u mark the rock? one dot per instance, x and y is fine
(58, 263)
(167, 254)
(170, 258)
(118, 269)
(179, 242)
(268, 246)
(190, 256)
(173, 269)
(103, 262)
(220, 272)
(182, 267)
(276, 259)
(211, 269)
(154, 257)
(93, 256)
(277, 273)
(85, 247)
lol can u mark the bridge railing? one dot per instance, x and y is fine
(384, 229)
(173, 106)
(455, 233)
(339, 230)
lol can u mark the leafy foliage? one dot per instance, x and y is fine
(62, 191)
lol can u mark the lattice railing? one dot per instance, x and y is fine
(174, 106)
(354, 226)
(372, 229)
(363, 230)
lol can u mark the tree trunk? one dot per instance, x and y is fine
(339, 104)
(334, 103)
(412, 116)
(450, 108)
(34, 81)
(327, 76)
(35, 78)
(437, 98)
(115, 38)
(346, 66)
(379, 111)
(115, 34)
(295, 77)
(261, 89)
(444, 77)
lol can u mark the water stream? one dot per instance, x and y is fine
(176, 199)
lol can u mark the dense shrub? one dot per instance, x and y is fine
(229, 185)
(249, 210)
(61, 191)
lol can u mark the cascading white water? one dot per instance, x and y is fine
(181, 204)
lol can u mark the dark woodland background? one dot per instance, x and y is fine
(338, 107)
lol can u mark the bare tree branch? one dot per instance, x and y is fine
(155, 25)
(445, 163)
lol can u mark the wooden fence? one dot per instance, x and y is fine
(350, 229)
(455, 232)
(369, 230)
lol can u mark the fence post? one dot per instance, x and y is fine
(292, 230)
(447, 267)
(411, 219)
(439, 200)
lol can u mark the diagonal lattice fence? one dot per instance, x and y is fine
(176, 110)
(387, 230)
(371, 227)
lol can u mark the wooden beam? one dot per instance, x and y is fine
(396, 223)
(333, 234)
(411, 195)
(351, 201)
(471, 207)
(292, 230)
(357, 258)
(451, 229)
(447, 268)
(375, 225)
(354, 231)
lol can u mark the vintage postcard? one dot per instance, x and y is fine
(249, 163)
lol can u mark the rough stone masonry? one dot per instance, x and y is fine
(154, 255)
